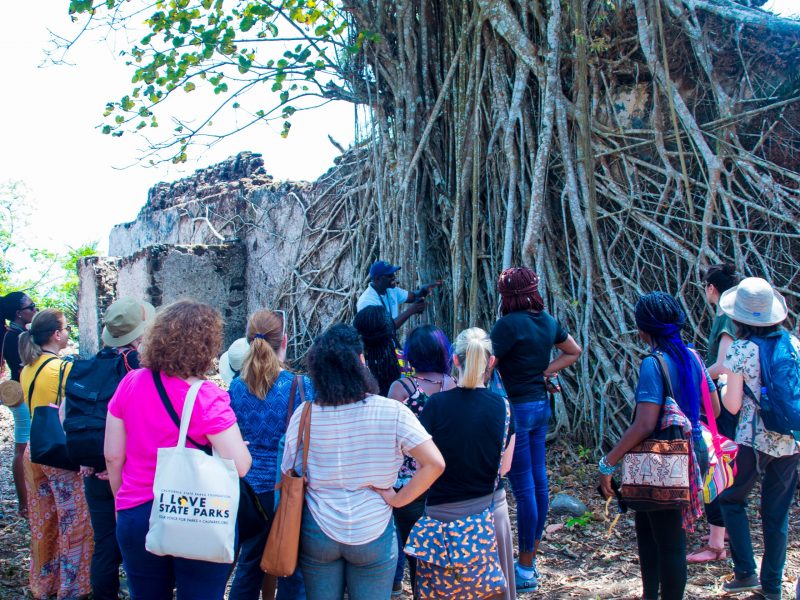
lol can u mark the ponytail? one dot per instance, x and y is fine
(262, 366)
(473, 348)
(43, 326)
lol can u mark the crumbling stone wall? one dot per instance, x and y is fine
(161, 274)
(228, 235)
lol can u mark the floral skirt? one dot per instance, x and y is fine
(61, 532)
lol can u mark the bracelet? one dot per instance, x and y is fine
(605, 468)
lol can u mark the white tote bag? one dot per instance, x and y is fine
(196, 498)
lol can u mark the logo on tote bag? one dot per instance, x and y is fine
(200, 508)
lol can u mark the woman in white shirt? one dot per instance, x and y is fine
(357, 444)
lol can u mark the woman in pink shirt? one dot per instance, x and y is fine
(178, 350)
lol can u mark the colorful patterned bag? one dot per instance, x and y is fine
(655, 472)
(722, 452)
(459, 559)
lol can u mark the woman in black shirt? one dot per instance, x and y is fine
(17, 310)
(523, 340)
(467, 424)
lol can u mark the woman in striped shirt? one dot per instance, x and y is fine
(356, 448)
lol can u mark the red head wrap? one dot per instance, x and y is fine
(519, 290)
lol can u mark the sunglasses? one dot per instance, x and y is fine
(30, 306)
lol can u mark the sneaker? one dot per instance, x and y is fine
(747, 584)
(527, 581)
(771, 595)
(397, 588)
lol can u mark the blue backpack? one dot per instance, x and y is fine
(779, 405)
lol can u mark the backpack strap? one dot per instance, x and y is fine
(162, 392)
(33, 381)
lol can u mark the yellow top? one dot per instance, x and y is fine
(46, 389)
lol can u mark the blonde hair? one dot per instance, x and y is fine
(473, 349)
(262, 366)
(43, 326)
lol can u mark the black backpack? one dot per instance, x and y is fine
(89, 387)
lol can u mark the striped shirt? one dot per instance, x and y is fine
(353, 447)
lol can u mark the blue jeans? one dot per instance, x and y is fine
(778, 483)
(528, 474)
(152, 577)
(106, 558)
(249, 576)
(327, 565)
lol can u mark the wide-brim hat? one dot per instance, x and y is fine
(754, 302)
(11, 393)
(125, 321)
(230, 363)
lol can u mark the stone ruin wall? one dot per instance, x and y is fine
(229, 235)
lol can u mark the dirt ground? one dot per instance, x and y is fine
(577, 560)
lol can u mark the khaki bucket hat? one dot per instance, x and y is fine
(125, 320)
(754, 302)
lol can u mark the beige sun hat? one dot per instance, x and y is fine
(230, 363)
(11, 393)
(754, 302)
(125, 320)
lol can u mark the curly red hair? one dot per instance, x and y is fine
(183, 340)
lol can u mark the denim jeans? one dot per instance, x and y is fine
(662, 554)
(778, 483)
(404, 519)
(106, 558)
(248, 577)
(152, 577)
(327, 565)
(528, 474)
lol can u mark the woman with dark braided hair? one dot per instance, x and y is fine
(523, 340)
(661, 534)
(378, 334)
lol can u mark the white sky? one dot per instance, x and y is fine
(78, 185)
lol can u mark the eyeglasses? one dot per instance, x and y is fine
(282, 313)
(67, 328)
(30, 306)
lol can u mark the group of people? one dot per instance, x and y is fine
(398, 431)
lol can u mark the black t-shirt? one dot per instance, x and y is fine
(11, 352)
(467, 427)
(522, 343)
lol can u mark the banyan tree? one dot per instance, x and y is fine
(616, 146)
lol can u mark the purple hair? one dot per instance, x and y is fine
(428, 350)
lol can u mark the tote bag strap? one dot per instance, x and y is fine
(33, 381)
(186, 414)
(706, 393)
(162, 392)
(304, 435)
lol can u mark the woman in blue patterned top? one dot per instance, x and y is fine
(260, 399)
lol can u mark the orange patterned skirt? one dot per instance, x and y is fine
(61, 532)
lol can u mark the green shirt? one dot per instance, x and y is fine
(722, 324)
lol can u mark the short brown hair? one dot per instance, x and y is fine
(184, 339)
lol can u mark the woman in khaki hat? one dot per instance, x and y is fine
(124, 324)
(766, 456)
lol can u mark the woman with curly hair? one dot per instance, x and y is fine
(61, 533)
(357, 444)
(523, 340)
(179, 349)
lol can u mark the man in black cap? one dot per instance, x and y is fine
(383, 291)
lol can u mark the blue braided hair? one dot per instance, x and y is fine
(659, 315)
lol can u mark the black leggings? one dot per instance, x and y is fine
(662, 553)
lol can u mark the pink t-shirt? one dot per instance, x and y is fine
(149, 427)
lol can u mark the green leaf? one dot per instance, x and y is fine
(190, 86)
